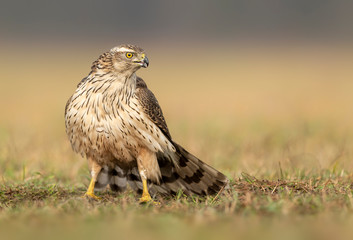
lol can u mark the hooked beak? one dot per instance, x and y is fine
(145, 62)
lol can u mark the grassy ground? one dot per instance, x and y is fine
(276, 121)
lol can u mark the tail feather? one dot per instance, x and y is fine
(198, 177)
(189, 174)
(186, 172)
(118, 181)
(103, 179)
(115, 177)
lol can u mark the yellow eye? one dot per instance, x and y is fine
(129, 55)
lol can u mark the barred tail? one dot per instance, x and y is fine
(186, 173)
(115, 177)
(193, 175)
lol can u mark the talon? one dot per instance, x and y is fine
(91, 196)
(145, 198)
(90, 191)
(148, 199)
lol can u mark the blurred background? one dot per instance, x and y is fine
(253, 82)
(262, 87)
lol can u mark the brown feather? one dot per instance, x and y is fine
(151, 106)
(115, 121)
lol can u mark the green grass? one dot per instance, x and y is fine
(43, 208)
(278, 125)
(246, 195)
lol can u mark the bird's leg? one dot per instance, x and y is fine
(148, 168)
(95, 169)
(146, 197)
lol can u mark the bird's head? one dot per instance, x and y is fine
(128, 58)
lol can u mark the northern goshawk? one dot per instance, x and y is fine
(115, 121)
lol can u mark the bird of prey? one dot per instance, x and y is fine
(115, 121)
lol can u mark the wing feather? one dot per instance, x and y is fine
(151, 106)
(186, 172)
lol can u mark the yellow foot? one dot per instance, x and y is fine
(91, 196)
(147, 199)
